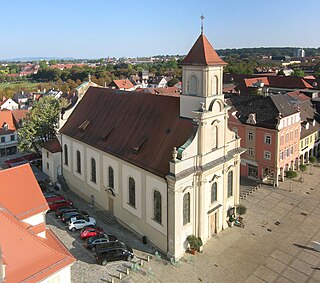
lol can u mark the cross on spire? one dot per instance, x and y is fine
(202, 18)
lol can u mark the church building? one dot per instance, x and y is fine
(165, 166)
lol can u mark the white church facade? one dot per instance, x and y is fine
(166, 167)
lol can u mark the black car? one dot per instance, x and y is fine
(68, 215)
(99, 239)
(112, 251)
(64, 209)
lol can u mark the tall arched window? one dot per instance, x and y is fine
(230, 184)
(215, 85)
(214, 136)
(110, 178)
(78, 162)
(66, 161)
(157, 209)
(186, 208)
(132, 192)
(214, 192)
(193, 85)
(93, 171)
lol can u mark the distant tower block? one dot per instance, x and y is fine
(299, 53)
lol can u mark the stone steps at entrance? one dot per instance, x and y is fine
(106, 217)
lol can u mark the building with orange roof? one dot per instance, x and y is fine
(30, 251)
(10, 121)
(122, 85)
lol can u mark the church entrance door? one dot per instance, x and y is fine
(213, 223)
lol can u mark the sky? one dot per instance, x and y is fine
(128, 28)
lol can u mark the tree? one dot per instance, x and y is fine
(312, 160)
(302, 168)
(297, 73)
(173, 82)
(241, 209)
(291, 175)
(39, 125)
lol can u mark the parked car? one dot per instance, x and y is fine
(99, 239)
(68, 215)
(50, 194)
(91, 231)
(112, 251)
(78, 224)
(78, 217)
(64, 209)
(54, 205)
(54, 198)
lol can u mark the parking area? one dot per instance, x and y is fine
(276, 244)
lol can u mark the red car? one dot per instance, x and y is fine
(88, 232)
(53, 205)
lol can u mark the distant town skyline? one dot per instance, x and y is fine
(100, 29)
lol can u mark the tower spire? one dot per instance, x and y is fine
(202, 18)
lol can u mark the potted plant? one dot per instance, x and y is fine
(231, 220)
(194, 243)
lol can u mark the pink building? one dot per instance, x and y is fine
(269, 128)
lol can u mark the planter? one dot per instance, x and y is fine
(193, 251)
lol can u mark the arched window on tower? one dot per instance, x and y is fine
(186, 208)
(157, 209)
(215, 135)
(215, 85)
(193, 85)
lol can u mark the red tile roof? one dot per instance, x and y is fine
(288, 82)
(7, 117)
(251, 81)
(172, 91)
(298, 95)
(122, 84)
(19, 192)
(12, 118)
(52, 146)
(29, 258)
(19, 114)
(202, 53)
(139, 128)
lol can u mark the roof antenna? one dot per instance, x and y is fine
(202, 18)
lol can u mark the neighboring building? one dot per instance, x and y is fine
(173, 91)
(157, 82)
(10, 120)
(9, 104)
(122, 85)
(165, 166)
(269, 128)
(310, 131)
(30, 251)
(51, 159)
(264, 85)
(23, 99)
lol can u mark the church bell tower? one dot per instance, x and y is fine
(202, 75)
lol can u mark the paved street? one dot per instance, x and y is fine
(276, 244)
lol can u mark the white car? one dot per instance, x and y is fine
(80, 223)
